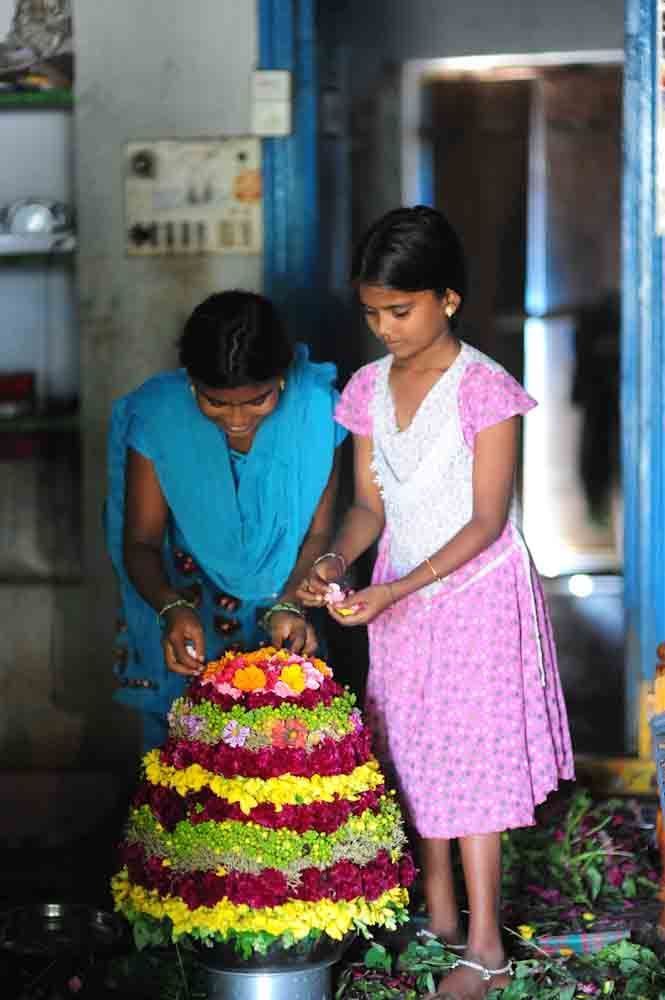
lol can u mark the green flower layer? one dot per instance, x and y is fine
(248, 847)
(331, 720)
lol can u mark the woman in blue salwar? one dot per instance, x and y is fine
(222, 484)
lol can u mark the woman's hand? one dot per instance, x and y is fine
(312, 590)
(363, 606)
(287, 629)
(183, 642)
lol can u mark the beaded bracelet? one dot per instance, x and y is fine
(280, 606)
(180, 603)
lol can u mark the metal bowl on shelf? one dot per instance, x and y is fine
(47, 929)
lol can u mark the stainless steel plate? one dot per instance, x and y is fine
(55, 928)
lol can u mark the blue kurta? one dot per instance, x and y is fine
(236, 522)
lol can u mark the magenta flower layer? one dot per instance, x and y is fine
(171, 808)
(330, 757)
(342, 881)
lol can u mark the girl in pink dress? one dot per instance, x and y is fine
(463, 690)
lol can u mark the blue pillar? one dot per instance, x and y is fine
(643, 327)
(287, 37)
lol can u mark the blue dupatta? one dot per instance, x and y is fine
(245, 539)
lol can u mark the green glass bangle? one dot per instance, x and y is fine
(180, 603)
(280, 606)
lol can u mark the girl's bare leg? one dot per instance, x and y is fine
(440, 890)
(481, 860)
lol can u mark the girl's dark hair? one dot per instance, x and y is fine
(234, 339)
(411, 250)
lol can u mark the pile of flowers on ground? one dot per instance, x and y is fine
(265, 818)
(587, 866)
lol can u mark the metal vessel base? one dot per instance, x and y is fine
(310, 982)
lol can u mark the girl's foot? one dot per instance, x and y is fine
(451, 942)
(473, 978)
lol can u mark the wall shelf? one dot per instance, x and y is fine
(48, 243)
(59, 100)
(59, 423)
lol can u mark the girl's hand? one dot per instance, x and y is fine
(183, 642)
(312, 590)
(368, 604)
(287, 629)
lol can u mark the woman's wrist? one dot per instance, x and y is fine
(178, 603)
(281, 607)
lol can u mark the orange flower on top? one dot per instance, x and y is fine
(212, 669)
(322, 667)
(259, 655)
(249, 679)
(289, 733)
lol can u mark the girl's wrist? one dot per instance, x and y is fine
(338, 556)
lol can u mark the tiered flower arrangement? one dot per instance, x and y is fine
(265, 819)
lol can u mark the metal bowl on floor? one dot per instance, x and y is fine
(43, 929)
(223, 957)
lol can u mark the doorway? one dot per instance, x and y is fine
(525, 159)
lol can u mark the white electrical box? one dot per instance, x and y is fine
(271, 102)
(194, 196)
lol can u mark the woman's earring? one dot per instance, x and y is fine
(450, 311)
(282, 385)
(192, 389)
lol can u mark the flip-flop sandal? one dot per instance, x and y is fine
(424, 933)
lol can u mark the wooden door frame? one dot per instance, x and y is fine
(287, 41)
(642, 346)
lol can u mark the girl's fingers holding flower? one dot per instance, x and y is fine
(362, 607)
(311, 591)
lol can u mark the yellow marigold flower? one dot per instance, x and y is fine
(293, 676)
(526, 931)
(297, 917)
(249, 678)
(248, 792)
(565, 952)
(589, 917)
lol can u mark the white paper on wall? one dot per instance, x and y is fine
(189, 197)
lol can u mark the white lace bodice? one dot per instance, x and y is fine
(425, 471)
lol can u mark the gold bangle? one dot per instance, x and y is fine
(434, 572)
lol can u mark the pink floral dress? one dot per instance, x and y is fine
(463, 692)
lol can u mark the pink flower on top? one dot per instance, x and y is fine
(312, 676)
(229, 689)
(283, 690)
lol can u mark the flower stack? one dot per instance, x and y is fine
(264, 821)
